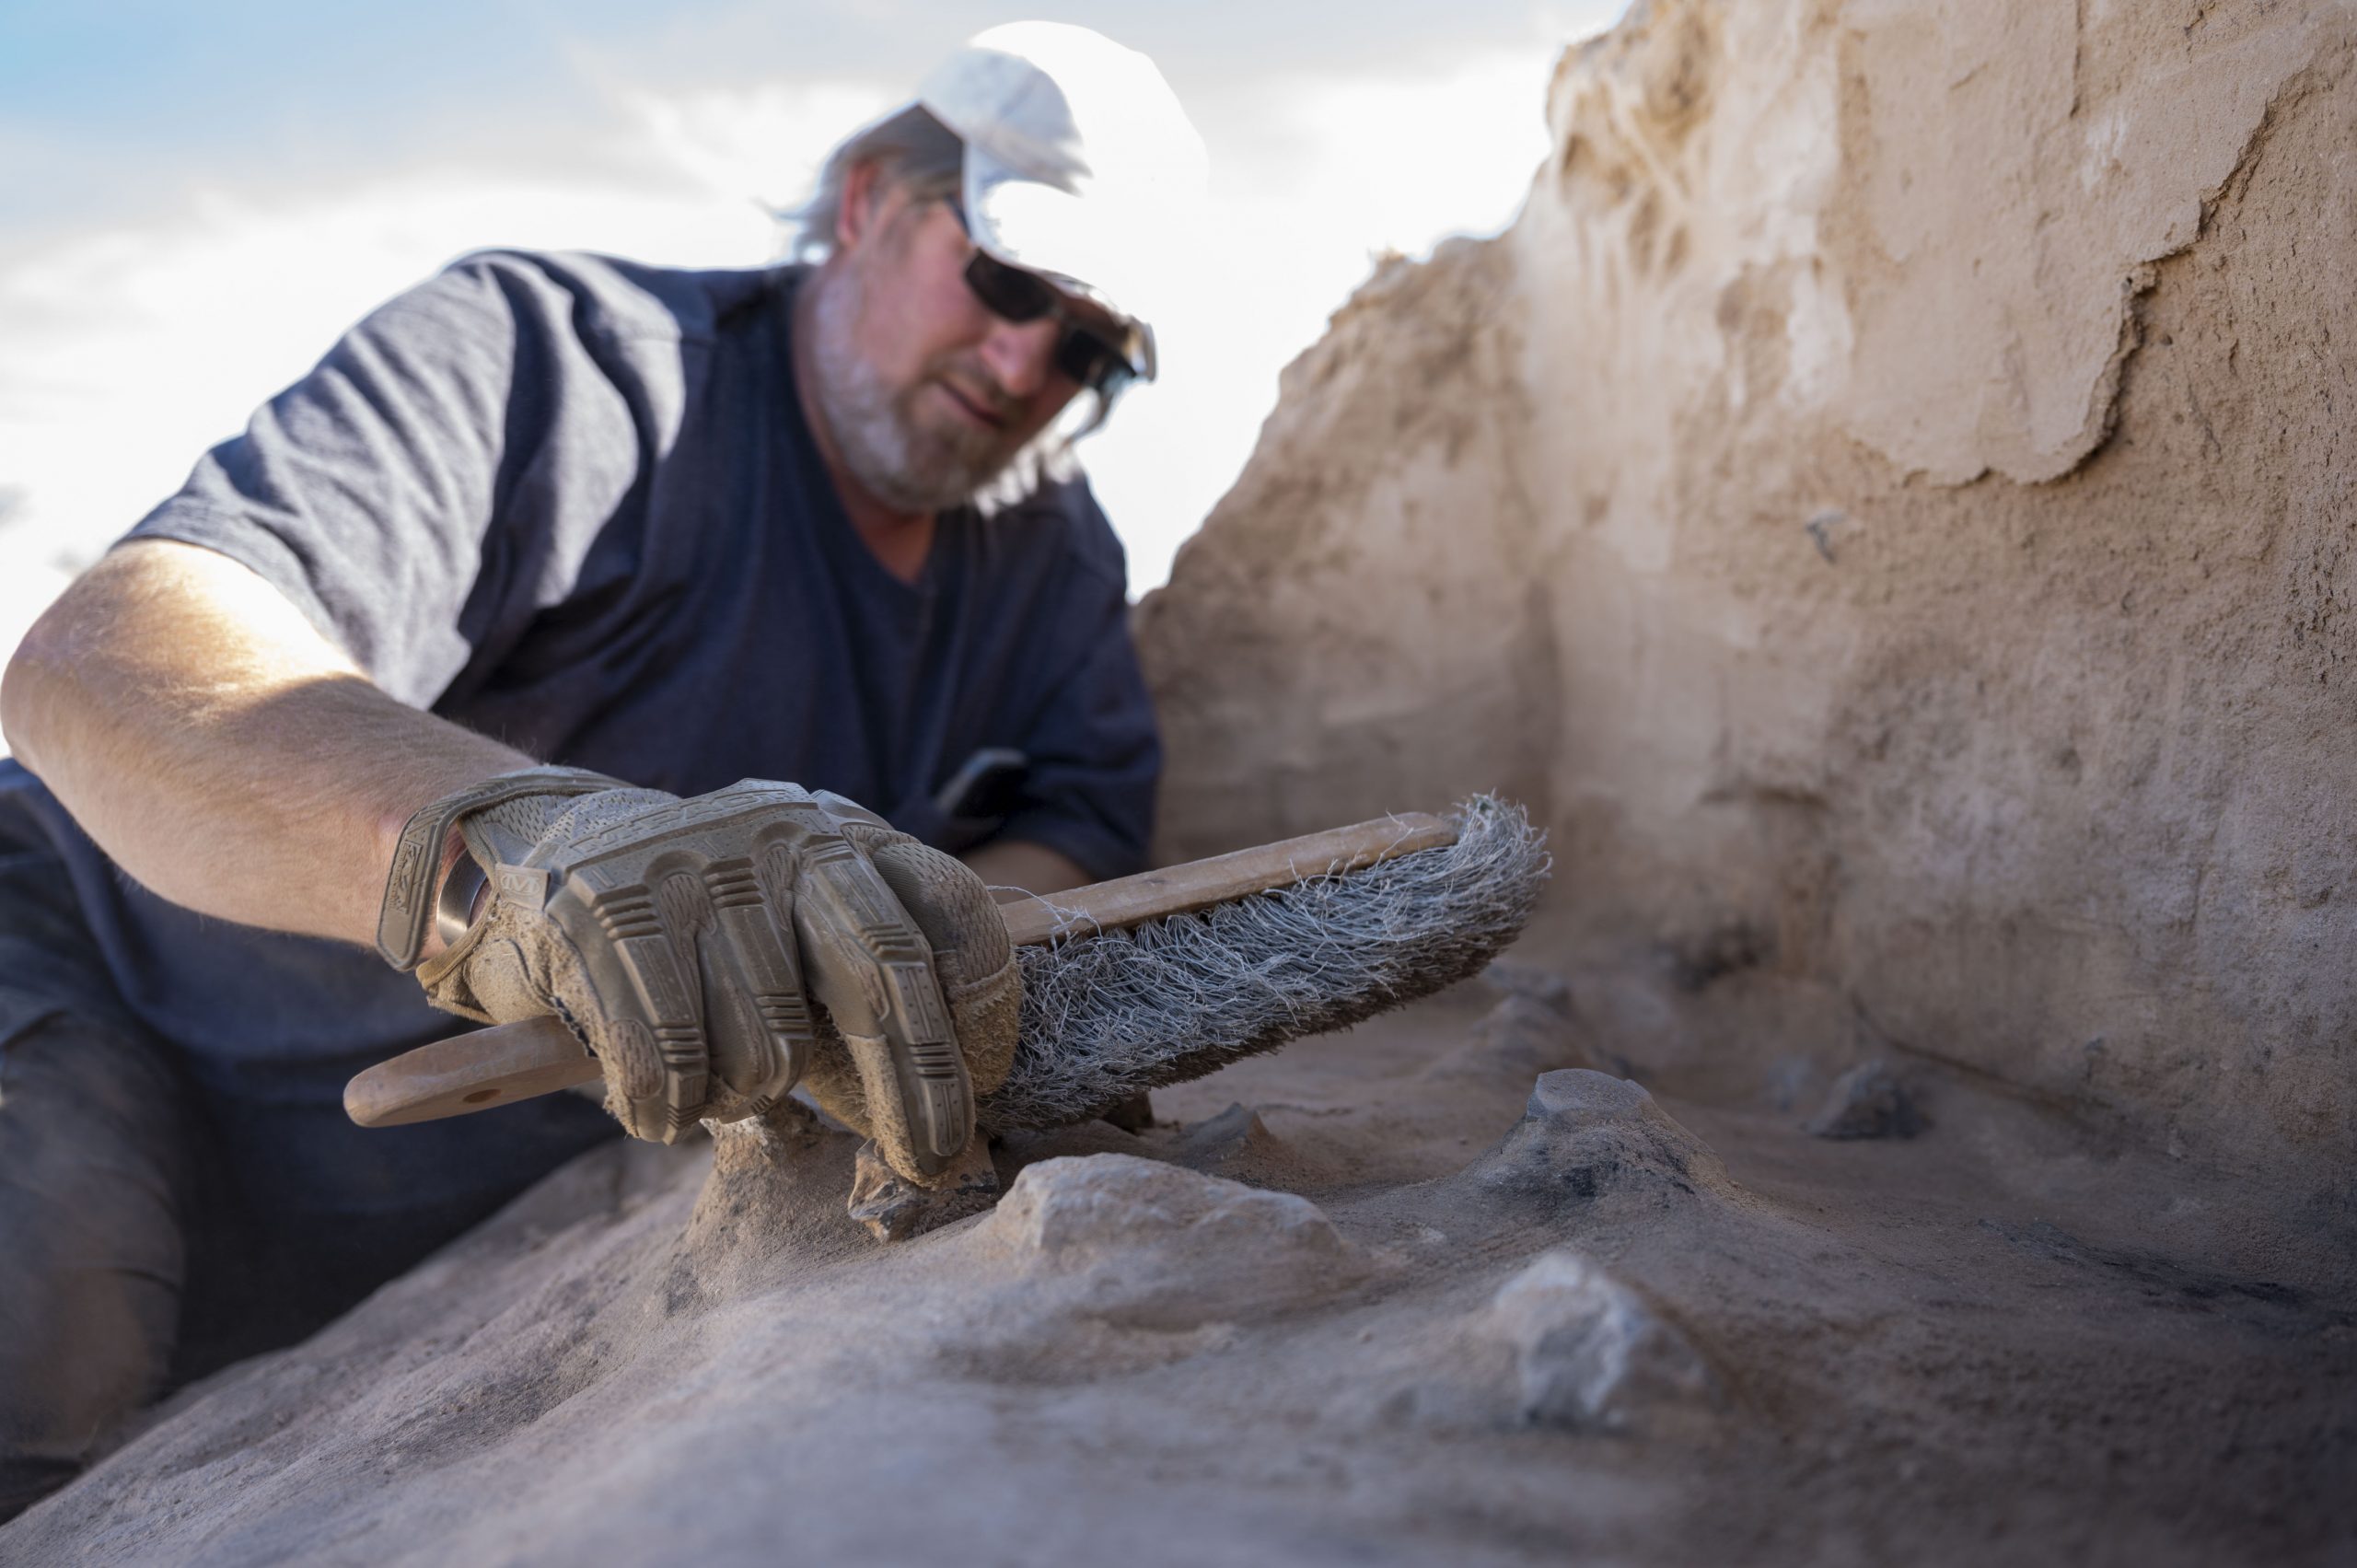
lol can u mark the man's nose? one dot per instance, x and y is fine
(1019, 354)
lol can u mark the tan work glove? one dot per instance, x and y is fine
(684, 941)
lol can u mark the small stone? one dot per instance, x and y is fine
(1584, 1134)
(1234, 1144)
(1867, 1101)
(896, 1208)
(1148, 1245)
(1592, 1355)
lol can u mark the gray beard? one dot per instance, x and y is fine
(907, 466)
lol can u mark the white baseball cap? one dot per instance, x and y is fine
(1080, 164)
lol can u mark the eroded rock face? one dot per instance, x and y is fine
(1882, 496)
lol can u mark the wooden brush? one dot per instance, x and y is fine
(495, 1066)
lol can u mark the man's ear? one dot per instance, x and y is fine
(864, 189)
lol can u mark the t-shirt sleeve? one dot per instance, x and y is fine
(366, 492)
(1095, 753)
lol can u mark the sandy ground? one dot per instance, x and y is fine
(1432, 1291)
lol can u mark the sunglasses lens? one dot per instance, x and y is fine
(1088, 359)
(1013, 294)
(1016, 295)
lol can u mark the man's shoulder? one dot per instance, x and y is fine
(608, 295)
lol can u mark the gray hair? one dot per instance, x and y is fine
(913, 149)
(919, 154)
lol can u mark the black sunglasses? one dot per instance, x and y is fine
(1013, 294)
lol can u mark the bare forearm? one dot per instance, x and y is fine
(221, 750)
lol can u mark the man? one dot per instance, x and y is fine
(458, 652)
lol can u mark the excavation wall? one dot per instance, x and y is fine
(1887, 503)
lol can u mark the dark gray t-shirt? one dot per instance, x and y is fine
(571, 503)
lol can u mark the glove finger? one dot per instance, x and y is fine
(951, 906)
(971, 953)
(868, 963)
(757, 1020)
(623, 961)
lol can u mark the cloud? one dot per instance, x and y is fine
(133, 347)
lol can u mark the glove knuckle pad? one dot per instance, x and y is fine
(688, 941)
(952, 906)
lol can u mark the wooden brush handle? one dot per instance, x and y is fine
(511, 1062)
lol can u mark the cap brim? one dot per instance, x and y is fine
(1064, 237)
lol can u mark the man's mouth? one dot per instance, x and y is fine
(974, 408)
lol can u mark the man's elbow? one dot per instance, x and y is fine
(29, 683)
(57, 670)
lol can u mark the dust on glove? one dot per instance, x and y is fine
(713, 951)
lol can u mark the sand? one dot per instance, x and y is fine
(1433, 1291)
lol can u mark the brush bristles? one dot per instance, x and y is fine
(1107, 1016)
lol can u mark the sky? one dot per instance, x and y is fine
(194, 201)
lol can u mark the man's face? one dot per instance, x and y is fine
(926, 394)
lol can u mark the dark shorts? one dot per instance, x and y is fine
(156, 1228)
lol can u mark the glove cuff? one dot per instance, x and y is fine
(408, 907)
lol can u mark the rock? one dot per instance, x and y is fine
(1592, 1355)
(895, 1208)
(1236, 1144)
(1867, 1101)
(1584, 1135)
(1148, 1244)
